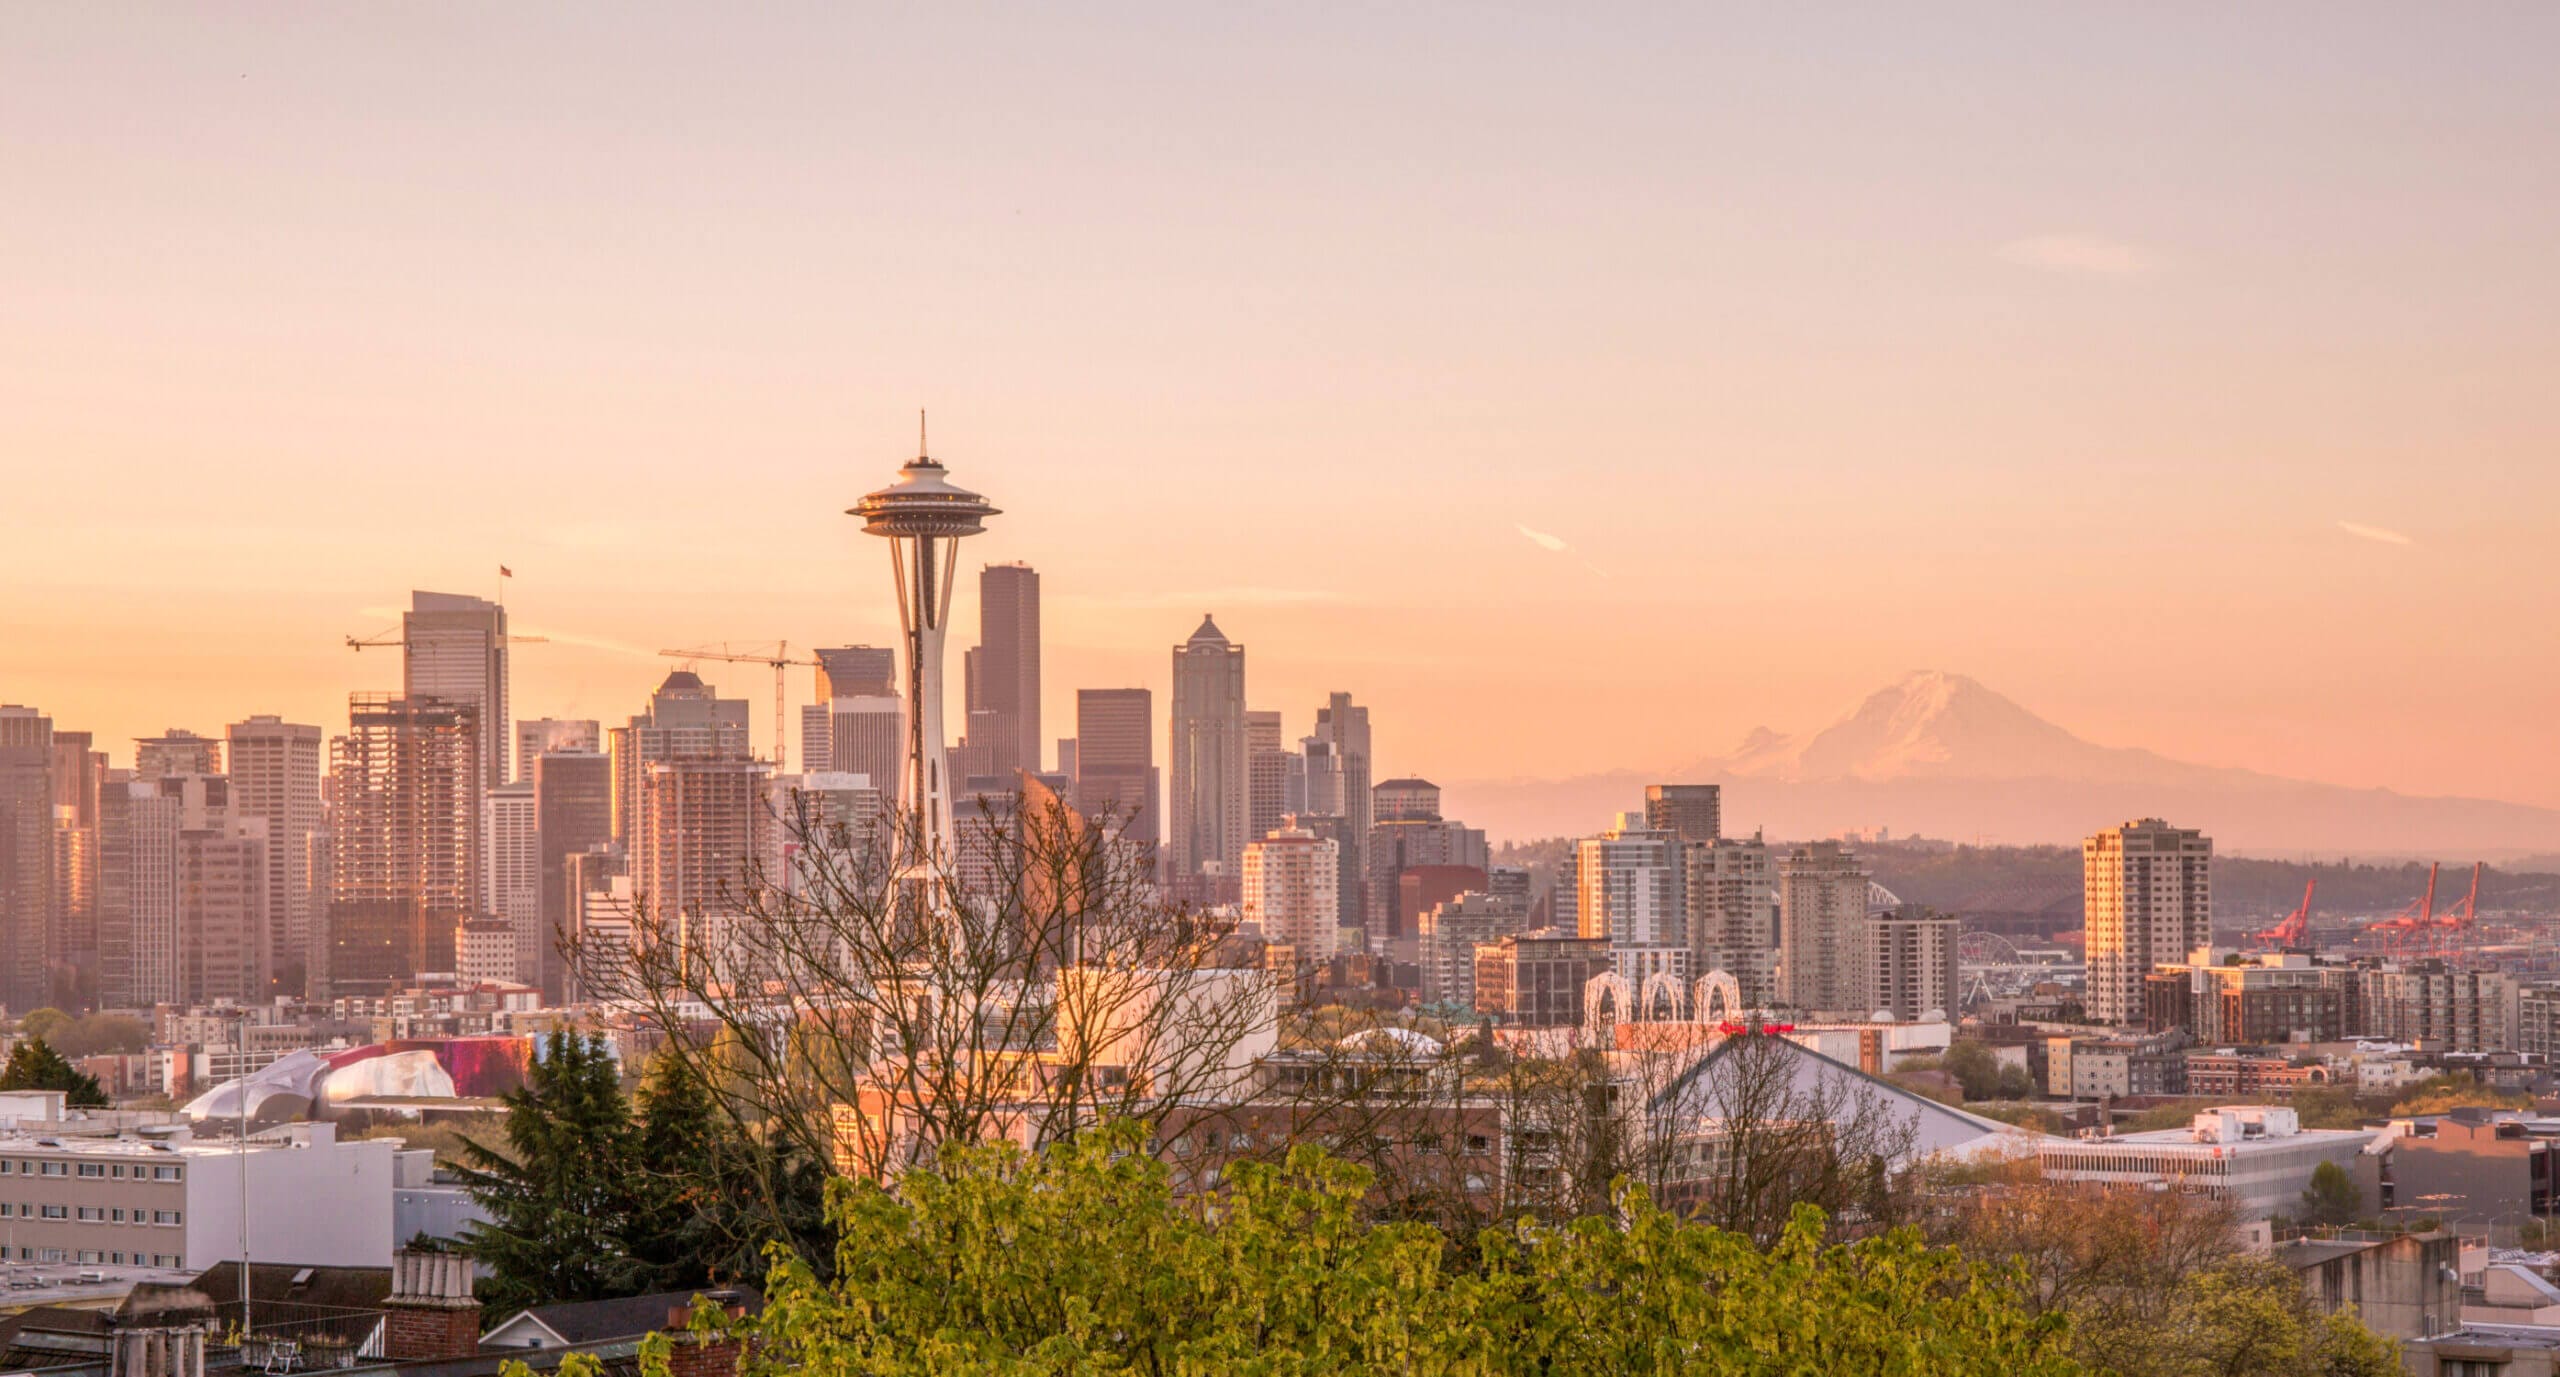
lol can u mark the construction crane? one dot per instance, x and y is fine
(2295, 930)
(384, 638)
(2457, 925)
(2420, 915)
(779, 657)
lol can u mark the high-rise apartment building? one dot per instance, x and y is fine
(686, 719)
(26, 857)
(2147, 896)
(275, 776)
(79, 773)
(138, 825)
(553, 734)
(1536, 979)
(176, 751)
(858, 723)
(573, 817)
(404, 841)
(455, 648)
(1691, 812)
(1628, 882)
(511, 873)
(1115, 777)
(1002, 675)
(1822, 899)
(857, 671)
(1409, 834)
(1291, 886)
(1209, 765)
(223, 946)
(1907, 959)
(703, 826)
(1450, 934)
(1733, 914)
(1267, 772)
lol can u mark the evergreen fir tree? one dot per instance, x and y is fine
(34, 1065)
(563, 1192)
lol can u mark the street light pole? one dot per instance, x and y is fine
(240, 1103)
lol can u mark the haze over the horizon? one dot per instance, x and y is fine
(1579, 393)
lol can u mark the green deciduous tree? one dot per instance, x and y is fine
(2332, 1198)
(34, 1065)
(1081, 1259)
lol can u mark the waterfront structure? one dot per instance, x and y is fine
(454, 647)
(1209, 764)
(924, 517)
(1822, 898)
(1691, 812)
(275, 771)
(1291, 884)
(686, 717)
(2147, 900)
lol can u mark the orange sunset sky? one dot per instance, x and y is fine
(1579, 387)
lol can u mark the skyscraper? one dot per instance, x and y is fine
(222, 948)
(1409, 834)
(79, 775)
(1004, 671)
(857, 671)
(275, 776)
(1267, 773)
(1290, 888)
(924, 516)
(1733, 914)
(554, 734)
(702, 823)
(1691, 812)
(685, 718)
(404, 841)
(1822, 898)
(176, 751)
(1209, 763)
(1907, 959)
(1338, 765)
(573, 817)
(857, 723)
(138, 827)
(511, 874)
(26, 857)
(1115, 775)
(2147, 892)
(1629, 891)
(455, 648)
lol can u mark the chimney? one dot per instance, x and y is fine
(431, 1312)
(158, 1352)
(711, 1353)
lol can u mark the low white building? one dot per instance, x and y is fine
(2259, 1157)
(162, 1198)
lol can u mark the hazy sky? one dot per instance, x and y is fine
(1580, 388)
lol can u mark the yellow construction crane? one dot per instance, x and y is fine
(779, 657)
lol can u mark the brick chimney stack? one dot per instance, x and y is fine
(432, 1312)
(711, 1354)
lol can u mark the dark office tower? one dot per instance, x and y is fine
(1115, 779)
(1689, 812)
(456, 650)
(275, 776)
(685, 718)
(1267, 773)
(26, 857)
(857, 671)
(404, 842)
(1004, 672)
(1067, 759)
(573, 814)
(79, 774)
(176, 752)
(1338, 776)
(1209, 764)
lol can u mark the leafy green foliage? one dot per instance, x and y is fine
(2332, 1198)
(34, 1065)
(1080, 1259)
(2455, 1090)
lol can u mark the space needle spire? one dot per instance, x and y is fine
(923, 515)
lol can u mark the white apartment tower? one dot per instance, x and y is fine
(275, 775)
(1628, 885)
(2147, 896)
(1291, 888)
(511, 872)
(1733, 914)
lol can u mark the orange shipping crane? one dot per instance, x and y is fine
(2416, 918)
(779, 657)
(2295, 930)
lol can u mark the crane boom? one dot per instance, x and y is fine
(779, 658)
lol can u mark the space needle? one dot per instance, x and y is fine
(924, 515)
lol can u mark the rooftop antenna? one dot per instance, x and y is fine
(921, 451)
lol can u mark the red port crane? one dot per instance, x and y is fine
(2295, 930)
(2398, 929)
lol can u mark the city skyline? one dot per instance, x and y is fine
(2056, 357)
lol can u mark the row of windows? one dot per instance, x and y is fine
(90, 1214)
(93, 1255)
(95, 1171)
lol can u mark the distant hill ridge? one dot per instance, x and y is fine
(1941, 754)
